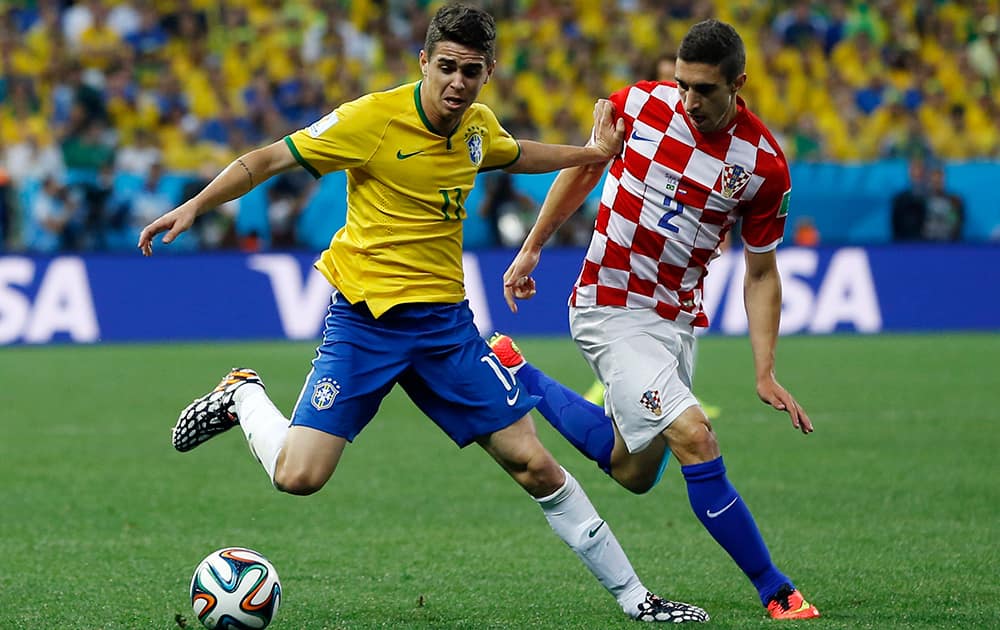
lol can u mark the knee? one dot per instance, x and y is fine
(692, 439)
(541, 475)
(298, 481)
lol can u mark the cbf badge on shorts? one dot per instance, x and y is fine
(324, 393)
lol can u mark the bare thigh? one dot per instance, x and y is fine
(690, 437)
(519, 452)
(637, 471)
(307, 460)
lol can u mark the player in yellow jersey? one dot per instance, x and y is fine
(398, 312)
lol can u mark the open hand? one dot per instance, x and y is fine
(173, 223)
(773, 394)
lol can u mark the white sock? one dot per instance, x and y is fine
(263, 425)
(574, 519)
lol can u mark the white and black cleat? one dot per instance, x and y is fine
(656, 610)
(213, 413)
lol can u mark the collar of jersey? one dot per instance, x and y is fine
(423, 116)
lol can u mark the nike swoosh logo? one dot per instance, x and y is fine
(711, 514)
(512, 401)
(636, 136)
(402, 156)
(593, 532)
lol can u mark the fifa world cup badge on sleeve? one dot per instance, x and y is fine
(317, 128)
(783, 210)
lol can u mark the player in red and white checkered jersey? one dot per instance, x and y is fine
(670, 199)
(695, 161)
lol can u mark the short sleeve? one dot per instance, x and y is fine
(764, 219)
(503, 150)
(345, 138)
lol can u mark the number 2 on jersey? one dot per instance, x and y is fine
(674, 208)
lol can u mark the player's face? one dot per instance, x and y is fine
(709, 100)
(453, 77)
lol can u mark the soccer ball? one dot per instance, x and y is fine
(235, 589)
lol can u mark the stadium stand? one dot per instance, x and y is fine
(95, 95)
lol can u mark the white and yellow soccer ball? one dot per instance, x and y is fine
(235, 589)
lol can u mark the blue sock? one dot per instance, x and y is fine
(581, 422)
(721, 510)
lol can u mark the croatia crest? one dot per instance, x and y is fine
(475, 145)
(734, 178)
(651, 400)
(324, 393)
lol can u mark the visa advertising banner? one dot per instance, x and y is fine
(232, 296)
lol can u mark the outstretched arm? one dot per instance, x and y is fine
(565, 196)
(237, 179)
(608, 138)
(762, 299)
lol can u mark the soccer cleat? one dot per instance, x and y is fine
(788, 603)
(656, 610)
(507, 351)
(213, 413)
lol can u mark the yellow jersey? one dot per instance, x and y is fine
(406, 187)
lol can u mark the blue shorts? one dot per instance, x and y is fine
(433, 351)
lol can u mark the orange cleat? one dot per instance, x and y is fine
(788, 603)
(507, 351)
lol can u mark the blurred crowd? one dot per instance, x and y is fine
(161, 95)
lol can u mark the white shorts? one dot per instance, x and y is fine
(646, 363)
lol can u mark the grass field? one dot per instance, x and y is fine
(887, 516)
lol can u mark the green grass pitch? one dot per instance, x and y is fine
(887, 516)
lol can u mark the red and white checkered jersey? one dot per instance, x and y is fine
(671, 197)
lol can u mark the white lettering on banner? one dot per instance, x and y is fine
(476, 292)
(303, 308)
(63, 304)
(846, 293)
(14, 305)
(796, 294)
(301, 305)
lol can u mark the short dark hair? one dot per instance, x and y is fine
(715, 43)
(653, 71)
(465, 25)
